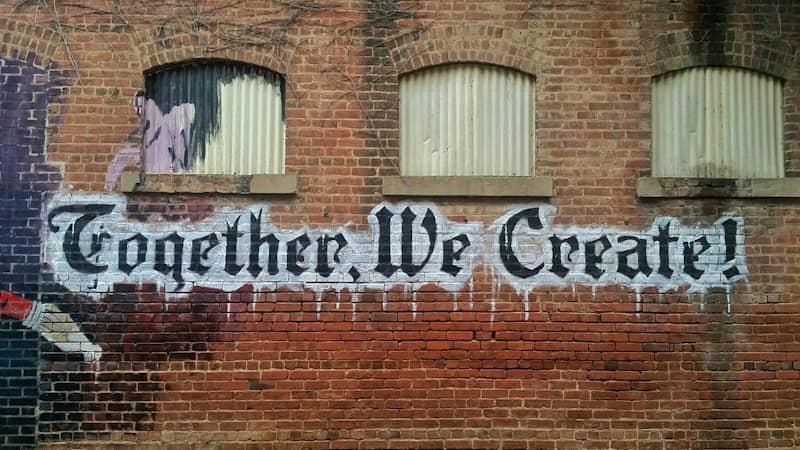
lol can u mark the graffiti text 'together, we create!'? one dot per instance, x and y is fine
(91, 245)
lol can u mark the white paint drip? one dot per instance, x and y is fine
(354, 302)
(728, 304)
(414, 304)
(495, 292)
(471, 292)
(527, 305)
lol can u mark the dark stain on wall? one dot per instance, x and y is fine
(711, 28)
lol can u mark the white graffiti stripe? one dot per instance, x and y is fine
(59, 328)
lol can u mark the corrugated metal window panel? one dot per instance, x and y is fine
(467, 120)
(238, 125)
(717, 122)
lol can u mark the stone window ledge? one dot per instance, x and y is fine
(468, 186)
(662, 187)
(140, 182)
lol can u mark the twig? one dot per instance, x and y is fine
(305, 5)
(21, 4)
(118, 10)
(382, 145)
(214, 9)
(60, 32)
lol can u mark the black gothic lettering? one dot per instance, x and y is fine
(385, 266)
(97, 242)
(256, 241)
(71, 244)
(199, 255)
(232, 236)
(507, 256)
(122, 254)
(177, 257)
(295, 255)
(663, 239)
(83, 250)
(558, 267)
(593, 258)
(449, 256)
(641, 252)
(730, 226)
(323, 267)
(690, 257)
(406, 248)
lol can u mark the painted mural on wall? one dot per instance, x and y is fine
(25, 179)
(53, 324)
(91, 246)
(167, 137)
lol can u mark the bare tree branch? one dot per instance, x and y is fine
(63, 36)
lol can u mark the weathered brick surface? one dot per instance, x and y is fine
(423, 364)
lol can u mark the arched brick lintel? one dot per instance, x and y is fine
(158, 47)
(683, 49)
(516, 49)
(26, 42)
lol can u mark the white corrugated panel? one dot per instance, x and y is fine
(717, 122)
(467, 120)
(250, 138)
(237, 122)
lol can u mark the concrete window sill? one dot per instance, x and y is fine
(139, 182)
(468, 186)
(660, 187)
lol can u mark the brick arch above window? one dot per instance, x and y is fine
(26, 42)
(682, 49)
(158, 46)
(499, 46)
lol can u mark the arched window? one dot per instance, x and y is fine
(467, 120)
(717, 122)
(214, 117)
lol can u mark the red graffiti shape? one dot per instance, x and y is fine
(14, 306)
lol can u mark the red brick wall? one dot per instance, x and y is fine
(591, 366)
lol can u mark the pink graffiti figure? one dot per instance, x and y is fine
(54, 325)
(167, 137)
(127, 157)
